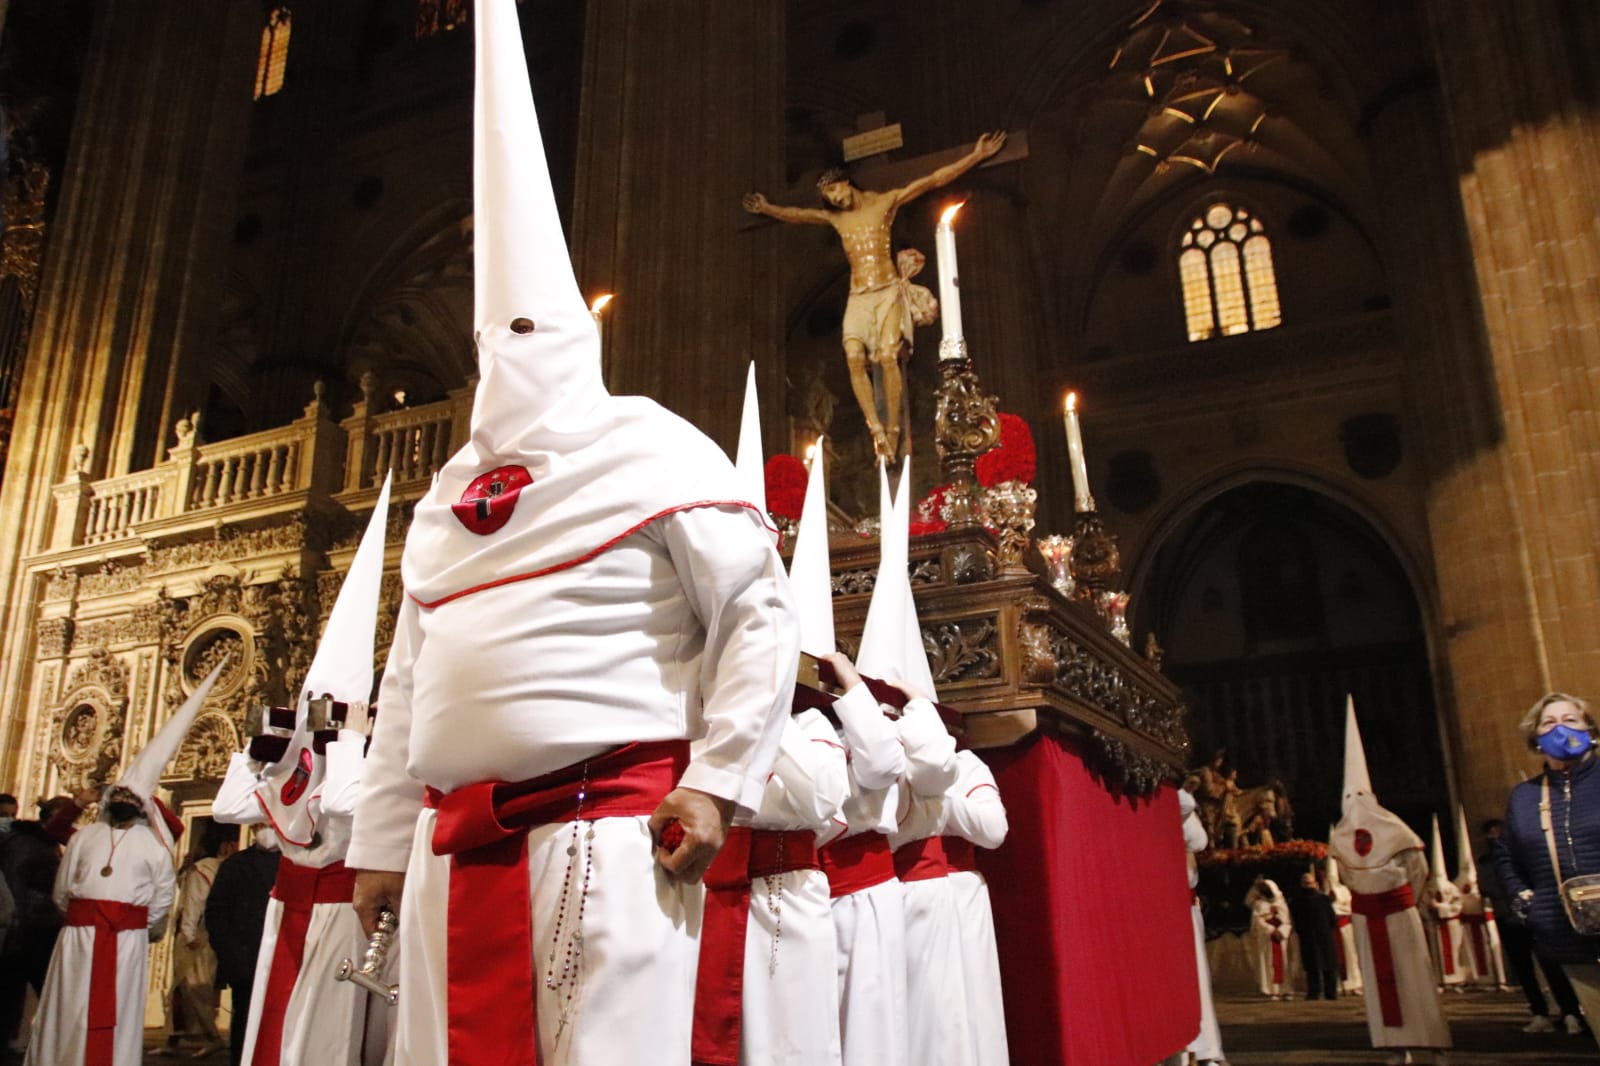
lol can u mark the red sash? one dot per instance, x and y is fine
(1376, 907)
(960, 855)
(921, 860)
(298, 888)
(107, 917)
(748, 855)
(856, 863)
(489, 999)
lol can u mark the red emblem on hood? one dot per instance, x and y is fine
(487, 503)
(1363, 841)
(295, 787)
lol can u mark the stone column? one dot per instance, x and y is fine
(131, 271)
(1502, 318)
(682, 114)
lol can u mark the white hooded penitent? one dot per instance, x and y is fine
(1367, 835)
(143, 772)
(555, 469)
(341, 668)
(1466, 865)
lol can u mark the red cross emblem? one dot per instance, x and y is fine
(487, 503)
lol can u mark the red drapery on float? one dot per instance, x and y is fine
(1091, 911)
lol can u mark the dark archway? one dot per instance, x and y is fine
(1273, 601)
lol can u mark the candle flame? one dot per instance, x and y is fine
(1072, 401)
(600, 303)
(950, 213)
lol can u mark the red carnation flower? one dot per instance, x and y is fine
(786, 487)
(1013, 458)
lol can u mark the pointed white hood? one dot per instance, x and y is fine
(1368, 835)
(748, 461)
(1439, 874)
(891, 639)
(341, 668)
(1466, 864)
(810, 570)
(556, 470)
(143, 773)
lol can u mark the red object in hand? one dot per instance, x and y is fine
(671, 835)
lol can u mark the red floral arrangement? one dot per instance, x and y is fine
(786, 487)
(1013, 458)
(930, 513)
(1251, 855)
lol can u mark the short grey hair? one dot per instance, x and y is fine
(1529, 725)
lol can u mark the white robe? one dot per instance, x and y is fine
(1269, 921)
(975, 812)
(325, 1021)
(870, 925)
(1481, 937)
(936, 993)
(1207, 1044)
(1449, 941)
(682, 630)
(1351, 980)
(141, 875)
(1422, 1019)
(790, 1012)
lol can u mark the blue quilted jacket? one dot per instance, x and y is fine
(1522, 858)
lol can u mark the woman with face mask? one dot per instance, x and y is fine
(1555, 818)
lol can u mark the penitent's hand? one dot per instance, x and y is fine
(376, 891)
(844, 671)
(754, 203)
(704, 820)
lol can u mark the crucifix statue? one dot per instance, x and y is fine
(884, 306)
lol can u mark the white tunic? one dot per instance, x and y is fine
(869, 926)
(1444, 900)
(937, 1027)
(324, 1021)
(1423, 1023)
(1351, 982)
(1207, 1044)
(682, 630)
(1480, 937)
(791, 1015)
(974, 811)
(1269, 926)
(141, 875)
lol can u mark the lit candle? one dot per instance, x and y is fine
(1082, 499)
(595, 308)
(953, 344)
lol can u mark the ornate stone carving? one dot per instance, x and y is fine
(54, 637)
(109, 579)
(962, 651)
(86, 729)
(211, 648)
(211, 742)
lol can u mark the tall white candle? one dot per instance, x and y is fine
(1082, 499)
(595, 308)
(952, 344)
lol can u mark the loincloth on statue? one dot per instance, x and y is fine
(866, 311)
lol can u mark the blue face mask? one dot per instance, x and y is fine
(1565, 742)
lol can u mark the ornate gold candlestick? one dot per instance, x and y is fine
(965, 426)
(1096, 561)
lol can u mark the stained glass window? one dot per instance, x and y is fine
(1225, 268)
(274, 53)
